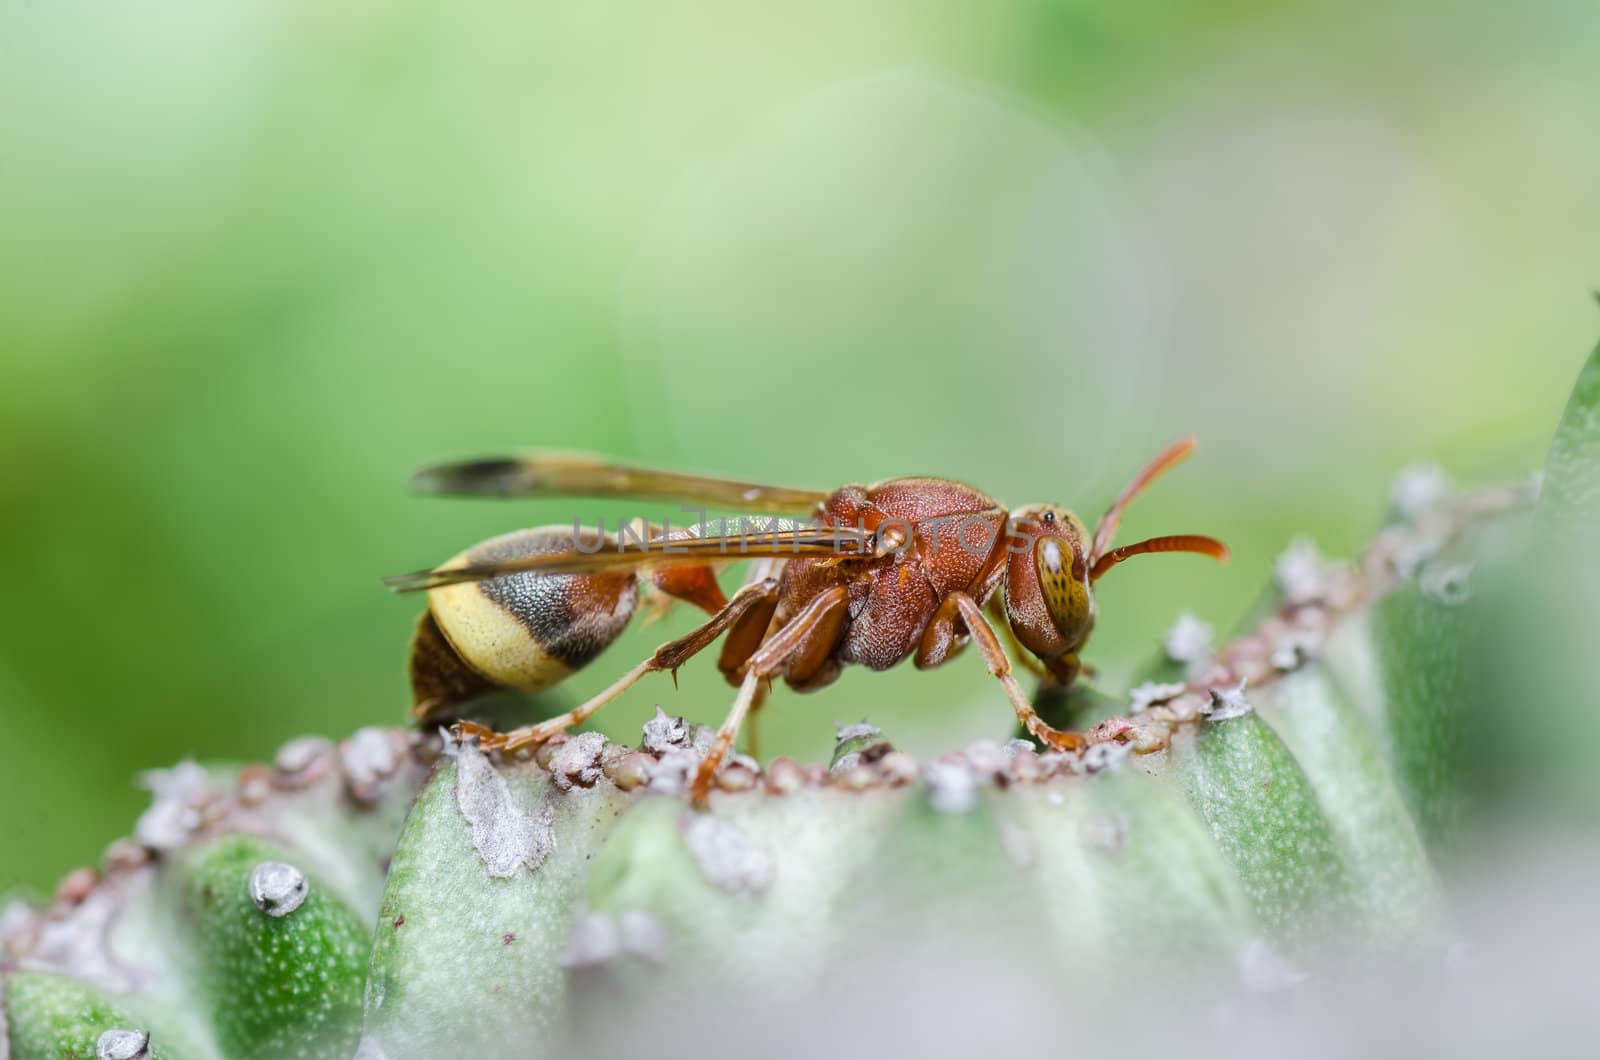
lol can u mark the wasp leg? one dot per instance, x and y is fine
(669, 656)
(983, 636)
(742, 641)
(943, 639)
(1067, 669)
(823, 617)
(997, 613)
(752, 725)
(947, 635)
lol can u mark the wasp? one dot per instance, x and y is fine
(912, 568)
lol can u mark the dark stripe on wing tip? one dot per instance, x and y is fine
(416, 580)
(491, 476)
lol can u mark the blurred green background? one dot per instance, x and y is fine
(259, 260)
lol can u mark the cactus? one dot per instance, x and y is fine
(1238, 816)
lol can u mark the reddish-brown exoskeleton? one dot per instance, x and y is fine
(902, 569)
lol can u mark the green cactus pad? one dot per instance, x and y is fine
(52, 1017)
(282, 979)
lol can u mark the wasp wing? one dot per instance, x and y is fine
(584, 475)
(731, 541)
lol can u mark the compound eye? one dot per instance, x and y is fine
(1066, 598)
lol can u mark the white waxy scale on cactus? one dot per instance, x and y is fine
(1227, 703)
(1418, 489)
(506, 836)
(300, 754)
(1294, 648)
(368, 758)
(175, 814)
(16, 917)
(855, 777)
(122, 1044)
(855, 730)
(861, 730)
(1147, 695)
(664, 733)
(849, 743)
(670, 775)
(1189, 640)
(577, 761)
(986, 758)
(740, 760)
(1303, 576)
(1098, 757)
(898, 768)
(784, 777)
(952, 787)
(727, 859)
(278, 888)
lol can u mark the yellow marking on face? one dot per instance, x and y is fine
(1066, 597)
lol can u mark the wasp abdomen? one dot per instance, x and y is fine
(525, 631)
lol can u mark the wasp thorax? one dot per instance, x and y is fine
(522, 631)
